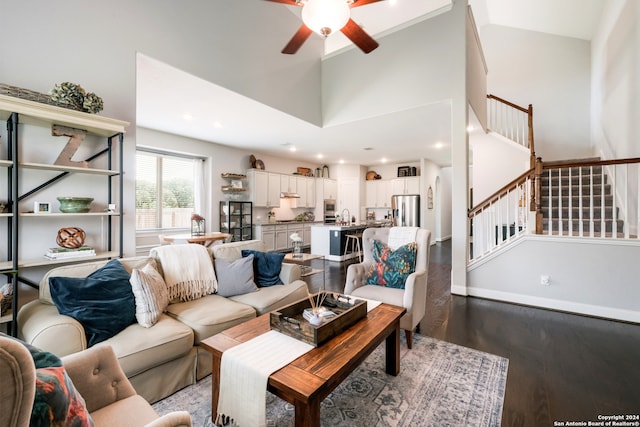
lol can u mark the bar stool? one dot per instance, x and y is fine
(353, 241)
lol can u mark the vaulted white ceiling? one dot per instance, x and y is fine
(425, 130)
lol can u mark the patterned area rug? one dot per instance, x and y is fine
(440, 384)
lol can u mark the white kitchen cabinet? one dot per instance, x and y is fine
(301, 190)
(266, 233)
(406, 185)
(282, 237)
(311, 193)
(370, 194)
(265, 188)
(288, 184)
(306, 190)
(378, 194)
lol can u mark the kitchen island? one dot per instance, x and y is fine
(330, 240)
(276, 235)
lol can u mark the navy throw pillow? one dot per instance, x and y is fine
(266, 267)
(102, 302)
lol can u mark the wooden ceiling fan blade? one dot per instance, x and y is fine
(359, 37)
(358, 3)
(297, 40)
(288, 2)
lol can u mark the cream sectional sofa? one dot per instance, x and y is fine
(167, 356)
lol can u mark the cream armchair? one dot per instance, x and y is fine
(414, 295)
(110, 398)
(96, 375)
(18, 377)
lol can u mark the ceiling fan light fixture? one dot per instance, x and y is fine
(325, 17)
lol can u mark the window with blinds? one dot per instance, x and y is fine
(166, 187)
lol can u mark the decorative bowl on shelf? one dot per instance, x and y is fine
(75, 204)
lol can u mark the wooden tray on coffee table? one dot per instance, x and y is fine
(290, 319)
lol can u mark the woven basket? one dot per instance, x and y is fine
(6, 298)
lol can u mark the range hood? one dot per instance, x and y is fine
(288, 195)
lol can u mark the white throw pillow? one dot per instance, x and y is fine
(151, 294)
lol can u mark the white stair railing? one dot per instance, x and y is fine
(510, 120)
(597, 199)
(500, 219)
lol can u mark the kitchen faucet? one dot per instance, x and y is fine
(346, 219)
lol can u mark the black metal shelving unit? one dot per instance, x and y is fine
(236, 218)
(13, 110)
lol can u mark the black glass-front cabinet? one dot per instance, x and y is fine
(236, 218)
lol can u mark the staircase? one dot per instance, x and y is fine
(578, 201)
(575, 198)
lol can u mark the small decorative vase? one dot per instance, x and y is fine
(197, 227)
(297, 249)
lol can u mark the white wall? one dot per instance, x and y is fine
(406, 74)
(615, 86)
(496, 162)
(95, 45)
(552, 73)
(444, 229)
(594, 277)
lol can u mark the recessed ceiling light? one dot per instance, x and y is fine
(292, 148)
(383, 160)
(187, 116)
(319, 156)
(217, 125)
(342, 161)
(439, 145)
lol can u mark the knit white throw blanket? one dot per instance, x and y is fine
(399, 236)
(244, 372)
(188, 271)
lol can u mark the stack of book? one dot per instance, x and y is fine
(64, 253)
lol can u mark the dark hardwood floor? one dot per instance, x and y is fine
(562, 367)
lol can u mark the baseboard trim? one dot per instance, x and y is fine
(558, 305)
(459, 290)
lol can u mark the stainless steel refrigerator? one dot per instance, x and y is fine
(406, 210)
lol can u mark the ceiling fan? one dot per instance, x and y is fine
(325, 17)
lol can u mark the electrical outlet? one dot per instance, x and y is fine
(545, 280)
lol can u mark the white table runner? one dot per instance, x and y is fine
(244, 372)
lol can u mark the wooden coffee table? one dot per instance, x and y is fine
(306, 381)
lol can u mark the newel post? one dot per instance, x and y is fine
(536, 202)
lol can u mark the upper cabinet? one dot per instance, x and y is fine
(378, 193)
(406, 185)
(264, 188)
